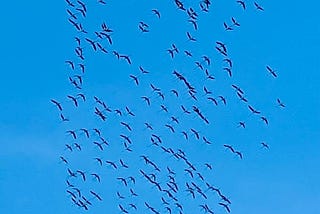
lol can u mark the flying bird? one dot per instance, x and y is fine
(271, 71)
(258, 7)
(57, 104)
(156, 12)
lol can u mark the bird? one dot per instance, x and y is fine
(206, 140)
(265, 120)
(72, 133)
(123, 164)
(175, 92)
(271, 71)
(206, 91)
(143, 71)
(258, 7)
(74, 100)
(264, 145)
(209, 166)
(63, 118)
(242, 124)
(83, 175)
(213, 100)
(170, 127)
(156, 12)
(146, 99)
(229, 71)
(280, 103)
(239, 154)
(63, 160)
(126, 125)
(188, 53)
(242, 3)
(96, 195)
(127, 58)
(225, 206)
(96, 176)
(196, 133)
(253, 110)
(229, 147)
(70, 3)
(227, 27)
(134, 78)
(185, 110)
(99, 160)
(70, 63)
(234, 22)
(122, 209)
(57, 104)
(112, 164)
(190, 38)
(223, 100)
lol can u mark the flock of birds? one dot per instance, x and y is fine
(151, 171)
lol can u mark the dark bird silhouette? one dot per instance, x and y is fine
(146, 99)
(63, 118)
(271, 71)
(113, 164)
(63, 160)
(123, 164)
(265, 120)
(143, 71)
(185, 110)
(70, 63)
(122, 209)
(96, 195)
(126, 125)
(71, 173)
(238, 89)
(96, 176)
(99, 160)
(280, 103)
(134, 78)
(70, 3)
(206, 140)
(156, 12)
(57, 104)
(253, 110)
(242, 3)
(206, 91)
(188, 53)
(72, 133)
(241, 97)
(170, 127)
(194, 24)
(127, 58)
(234, 22)
(229, 147)
(239, 154)
(196, 133)
(258, 7)
(190, 38)
(213, 100)
(264, 145)
(83, 175)
(74, 100)
(92, 43)
(208, 166)
(223, 100)
(229, 71)
(242, 124)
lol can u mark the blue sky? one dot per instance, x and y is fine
(37, 39)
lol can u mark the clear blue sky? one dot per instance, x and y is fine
(36, 39)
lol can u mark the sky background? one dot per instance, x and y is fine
(36, 39)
